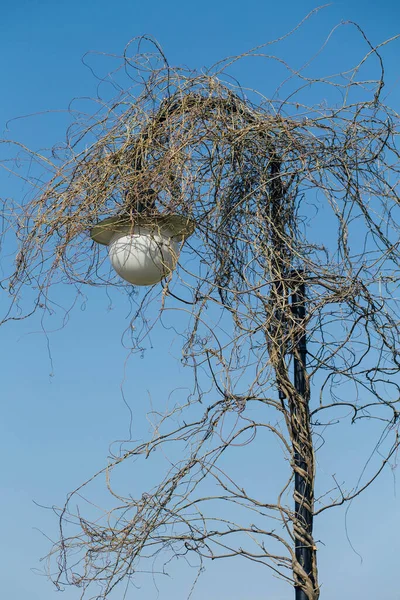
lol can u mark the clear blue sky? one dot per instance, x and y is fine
(57, 420)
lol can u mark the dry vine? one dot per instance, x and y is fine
(249, 173)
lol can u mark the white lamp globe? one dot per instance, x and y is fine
(143, 248)
(142, 256)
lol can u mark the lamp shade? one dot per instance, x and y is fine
(145, 248)
(142, 256)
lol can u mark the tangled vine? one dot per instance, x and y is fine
(285, 197)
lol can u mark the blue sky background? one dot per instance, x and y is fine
(59, 415)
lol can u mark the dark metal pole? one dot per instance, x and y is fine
(302, 484)
(281, 213)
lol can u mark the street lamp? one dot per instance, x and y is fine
(143, 248)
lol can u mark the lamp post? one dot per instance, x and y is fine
(285, 278)
(144, 247)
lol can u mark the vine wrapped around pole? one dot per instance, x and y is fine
(295, 206)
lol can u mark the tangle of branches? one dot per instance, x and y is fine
(283, 195)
